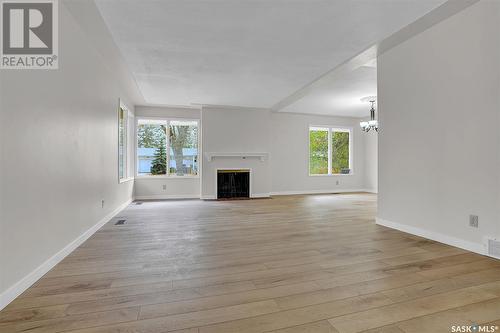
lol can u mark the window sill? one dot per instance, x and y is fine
(125, 180)
(333, 175)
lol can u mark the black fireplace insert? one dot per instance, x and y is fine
(233, 184)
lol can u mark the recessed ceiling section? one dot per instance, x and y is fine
(247, 52)
(340, 94)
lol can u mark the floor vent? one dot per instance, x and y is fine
(138, 203)
(120, 222)
(493, 247)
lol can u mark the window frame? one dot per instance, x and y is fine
(129, 120)
(330, 130)
(167, 144)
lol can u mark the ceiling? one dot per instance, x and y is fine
(253, 52)
(339, 94)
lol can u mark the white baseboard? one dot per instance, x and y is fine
(166, 197)
(318, 191)
(267, 195)
(438, 237)
(254, 195)
(18, 288)
(260, 195)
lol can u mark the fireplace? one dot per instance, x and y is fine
(233, 184)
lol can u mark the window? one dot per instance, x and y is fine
(151, 147)
(318, 151)
(167, 147)
(183, 148)
(125, 121)
(329, 151)
(340, 151)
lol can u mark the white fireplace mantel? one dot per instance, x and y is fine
(211, 156)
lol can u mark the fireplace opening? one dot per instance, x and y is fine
(233, 184)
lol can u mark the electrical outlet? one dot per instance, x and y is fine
(164, 187)
(337, 182)
(102, 203)
(474, 221)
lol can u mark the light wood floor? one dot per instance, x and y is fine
(289, 264)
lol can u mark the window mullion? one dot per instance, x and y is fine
(125, 146)
(167, 143)
(329, 151)
(351, 147)
(136, 147)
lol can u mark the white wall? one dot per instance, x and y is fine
(439, 145)
(290, 155)
(236, 130)
(58, 156)
(285, 137)
(165, 187)
(371, 161)
(167, 112)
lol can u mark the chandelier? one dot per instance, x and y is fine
(372, 124)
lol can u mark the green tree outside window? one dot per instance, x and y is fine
(329, 151)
